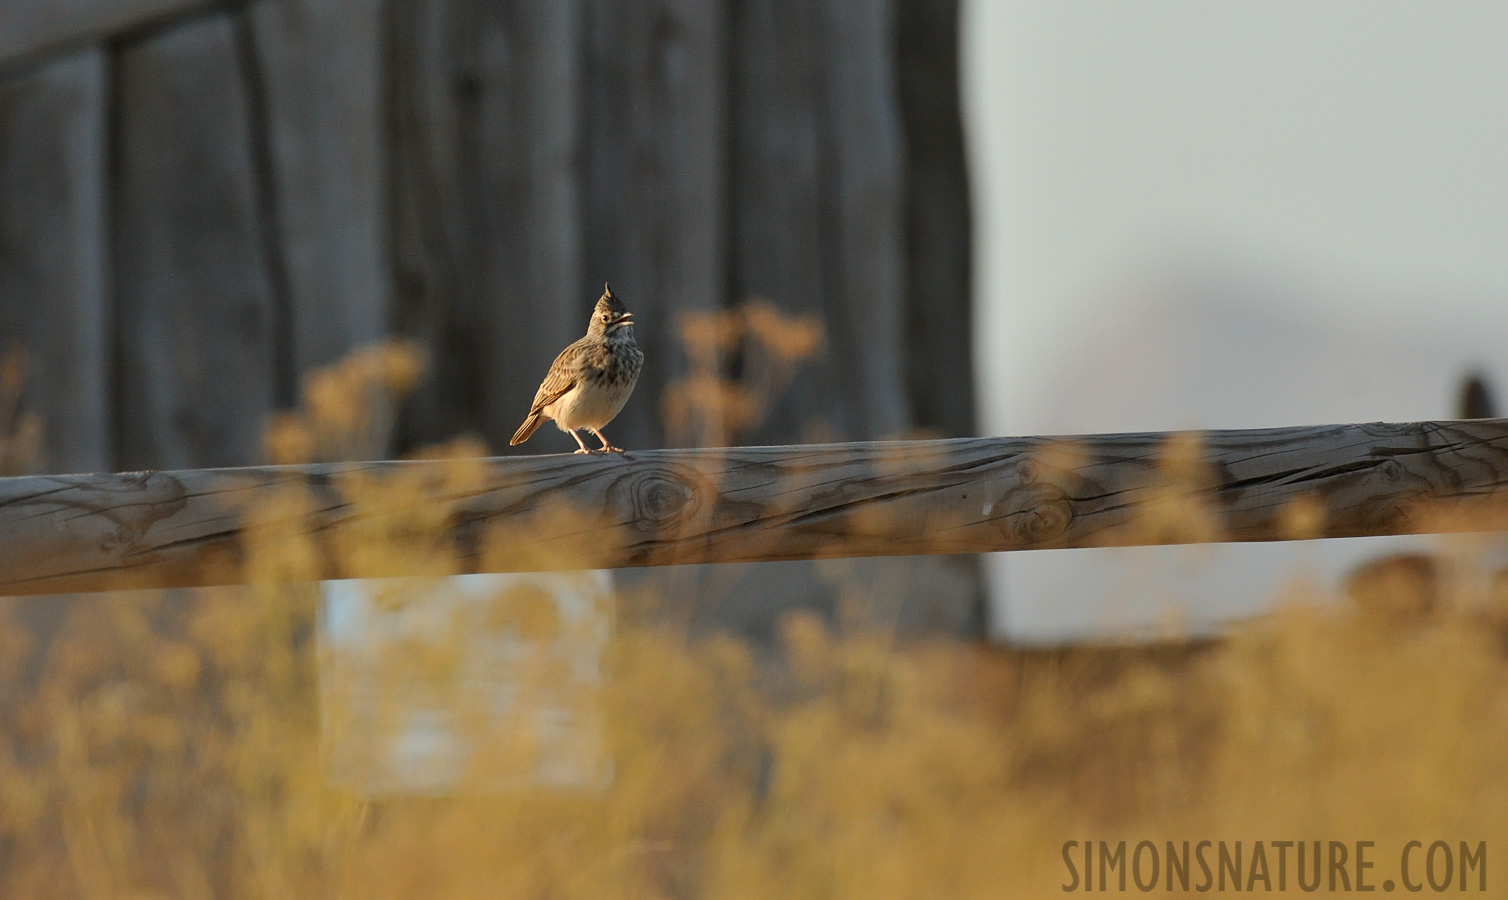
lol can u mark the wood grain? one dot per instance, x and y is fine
(972, 495)
(54, 288)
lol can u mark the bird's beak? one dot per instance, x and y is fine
(625, 319)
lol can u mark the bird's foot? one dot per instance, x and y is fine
(583, 450)
(606, 446)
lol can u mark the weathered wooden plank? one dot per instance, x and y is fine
(939, 297)
(818, 203)
(939, 330)
(520, 109)
(196, 303)
(778, 227)
(427, 81)
(654, 508)
(54, 298)
(817, 194)
(319, 63)
(30, 28)
(486, 106)
(654, 192)
(867, 241)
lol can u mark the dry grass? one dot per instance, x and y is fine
(20, 429)
(710, 408)
(171, 746)
(174, 745)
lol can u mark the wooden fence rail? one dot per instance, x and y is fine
(663, 507)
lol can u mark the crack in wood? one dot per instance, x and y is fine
(174, 529)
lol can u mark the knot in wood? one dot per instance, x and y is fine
(1035, 513)
(658, 500)
(122, 536)
(124, 508)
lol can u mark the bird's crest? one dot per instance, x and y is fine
(610, 303)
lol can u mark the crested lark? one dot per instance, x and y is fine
(590, 380)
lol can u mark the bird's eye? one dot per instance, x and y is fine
(605, 317)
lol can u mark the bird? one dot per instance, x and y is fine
(591, 379)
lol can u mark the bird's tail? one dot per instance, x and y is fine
(527, 429)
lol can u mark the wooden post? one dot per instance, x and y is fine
(664, 507)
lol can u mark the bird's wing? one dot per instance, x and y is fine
(563, 375)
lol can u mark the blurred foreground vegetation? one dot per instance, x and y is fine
(170, 746)
(179, 744)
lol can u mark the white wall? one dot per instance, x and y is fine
(1217, 214)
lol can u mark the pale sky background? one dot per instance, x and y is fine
(1193, 213)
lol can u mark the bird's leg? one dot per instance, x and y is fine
(579, 442)
(606, 447)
